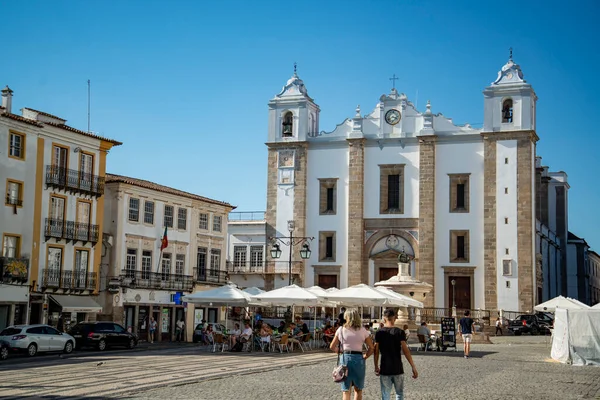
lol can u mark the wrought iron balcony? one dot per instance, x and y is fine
(207, 275)
(13, 202)
(74, 180)
(156, 280)
(14, 270)
(69, 280)
(248, 267)
(71, 230)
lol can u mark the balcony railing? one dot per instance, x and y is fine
(13, 202)
(69, 280)
(246, 216)
(237, 267)
(14, 270)
(71, 230)
(207, 275)
(156, 280)
(74, 180)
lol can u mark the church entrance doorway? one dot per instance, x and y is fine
(327, 281)
(460, 292)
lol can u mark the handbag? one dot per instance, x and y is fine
(340, 372)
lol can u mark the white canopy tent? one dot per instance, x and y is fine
(253, 291)
(292, 295)
(409, 301)
(227, 295)
(576, 336)
(366, 296)
(596, 307)
(560, 302)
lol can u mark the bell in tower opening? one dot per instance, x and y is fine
(507, 111)
(287, 125)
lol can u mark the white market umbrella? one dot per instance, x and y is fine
(253, 291)
(292, 295)
(227, 295)
(360, 295)
(332, 289)
(583, 305)
(408, 302)
(561, 302)
(596, 307)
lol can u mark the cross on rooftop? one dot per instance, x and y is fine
(394, 79)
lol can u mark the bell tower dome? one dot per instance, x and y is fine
(293, 114)
(509, 102)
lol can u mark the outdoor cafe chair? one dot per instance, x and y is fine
(423, 344)
(219, 343)
(281, 342)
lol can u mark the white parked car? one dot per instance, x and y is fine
(32, 339)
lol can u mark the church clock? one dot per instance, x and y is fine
(392, 117)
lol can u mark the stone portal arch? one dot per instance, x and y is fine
(383, 248)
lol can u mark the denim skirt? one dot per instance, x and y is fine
(356, 371)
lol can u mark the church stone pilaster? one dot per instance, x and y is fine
(426, 251)
(357, 271)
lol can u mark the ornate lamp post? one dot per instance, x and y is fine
(453, 282)
(290, 241)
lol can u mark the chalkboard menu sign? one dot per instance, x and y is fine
(448, 333)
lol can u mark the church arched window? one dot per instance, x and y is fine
(287, 127)
(507, 111)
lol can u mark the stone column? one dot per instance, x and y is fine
(173, 324)
(426, 256)
(300, 177)
(11, 314)
(357, 272)
(490, 276)
(159, 331)
(525, 220)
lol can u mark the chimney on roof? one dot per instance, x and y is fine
(7, 99)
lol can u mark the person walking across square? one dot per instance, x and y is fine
(390, 341)
(466, 330)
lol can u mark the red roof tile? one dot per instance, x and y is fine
(160, 188)
(88, 134)
(21, 119)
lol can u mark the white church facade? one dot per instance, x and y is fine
(459, 200)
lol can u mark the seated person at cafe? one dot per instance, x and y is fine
(302, 325)
(295, 330)
(406, 331)
(281, 328)
(235, 333)
(328, 334)
(246, 333)
(208, 335)
(425, 332)
(265, 333)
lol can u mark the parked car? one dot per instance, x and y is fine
(528, 323)
(197, 336)
(34, 339)
(102, 335)
(4, 349)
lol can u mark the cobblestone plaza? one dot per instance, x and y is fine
(513, 367)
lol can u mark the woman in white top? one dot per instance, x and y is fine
(352, 337)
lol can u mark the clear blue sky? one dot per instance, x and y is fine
(185, 84)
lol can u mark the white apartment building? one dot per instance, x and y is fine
(144, 281)
(246, 246)
(593, 270)
(52, 217)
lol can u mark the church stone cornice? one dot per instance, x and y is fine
(511, 135)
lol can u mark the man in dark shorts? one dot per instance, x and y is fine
(390, 341)
(466, 330)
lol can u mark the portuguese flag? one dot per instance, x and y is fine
(165, 241)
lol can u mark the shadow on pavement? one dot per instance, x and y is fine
(452, 353)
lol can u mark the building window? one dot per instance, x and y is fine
(459, 193)
(166, 266)
(55, 257)
(217, 223)
(168, 220)
(203, 221)
(459, 246)
(505, 160)
(131, 263)
(239, 256)
(391, 189)
(182, 218)
(146, 264)
(215, 261)
(180, 264)
(287, 126)
(16, 146)
(149, 212)
(508, 284)
(134, 209)
(328, 196)
(505, 190)
(201, 263)
(81, 267)
(506, 251)
(327, 246)
(506, 221)
(256, 256)
(507, 111)
(11, 246)
(506, 267)
(14, 193)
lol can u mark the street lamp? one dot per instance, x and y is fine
(290, 241)
(453, 282)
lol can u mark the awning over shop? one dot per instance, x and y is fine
(83, 304)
